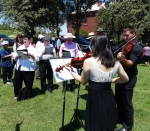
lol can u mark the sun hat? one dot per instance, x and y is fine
(90, 35)
(100, 30)
(5, 42)
(69, 35)
(46, 38)
(40, 36)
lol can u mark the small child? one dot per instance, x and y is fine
(7, 66)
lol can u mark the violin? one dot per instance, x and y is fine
(75, 62)
(128, 47)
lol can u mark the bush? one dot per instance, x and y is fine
(83, 33)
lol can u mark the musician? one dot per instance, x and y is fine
(70, 46)
(98, 72)
(124, 92)
(45, 66)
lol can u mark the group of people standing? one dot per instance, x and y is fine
(103, 109)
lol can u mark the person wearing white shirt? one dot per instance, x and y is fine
(25, 66)
(45, 68)
(38, 47)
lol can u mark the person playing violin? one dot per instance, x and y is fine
(99, 72)
(71, 47)
(129, 58)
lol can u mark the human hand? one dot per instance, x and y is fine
(119, 55)
(44, 52)
(69, 68)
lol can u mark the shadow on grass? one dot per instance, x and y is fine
(18, 126)
(55, 86)
(76, 121)
(36, 91)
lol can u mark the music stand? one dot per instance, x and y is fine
(64, 103)
(76, 116)
(59, 77)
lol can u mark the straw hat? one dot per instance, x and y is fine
(90, 35)
(69, 35)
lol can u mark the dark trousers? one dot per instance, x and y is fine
(27, 77)
(124, 94)
(72, 82)
(46, 72)
(7, 73)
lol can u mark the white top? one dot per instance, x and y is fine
(39, 46)
(98, 75)
(26, 64)
(41, 49)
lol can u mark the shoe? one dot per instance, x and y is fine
(43, 91)
(122, 129)
(50, 90)
(7, 83)
(15, 98)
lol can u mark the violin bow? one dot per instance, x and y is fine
(125, 44)
(80, 49)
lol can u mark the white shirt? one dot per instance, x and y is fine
(39, 46)
(46, 56)
(26, 64)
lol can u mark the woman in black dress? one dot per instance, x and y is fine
(99, 72)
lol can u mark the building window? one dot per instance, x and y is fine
(85, 21)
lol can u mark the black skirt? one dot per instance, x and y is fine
(100, 108)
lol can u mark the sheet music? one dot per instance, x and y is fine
(66, 54)
(23, 54)
(64, 74)
(49, 50)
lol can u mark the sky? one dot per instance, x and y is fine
(64, 30)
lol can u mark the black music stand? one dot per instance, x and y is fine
(76, 116)
(64, 103)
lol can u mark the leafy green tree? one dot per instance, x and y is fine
(27, 15)
(122, 13)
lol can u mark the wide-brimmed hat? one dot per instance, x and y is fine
(69, 35)
(5, 42)
(100, 30)
(90, 35)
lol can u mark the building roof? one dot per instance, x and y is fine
(94, 7)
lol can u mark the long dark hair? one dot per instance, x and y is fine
(101, 49)
(18, 36)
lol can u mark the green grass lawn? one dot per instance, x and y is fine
(44, 112)
(9, 32)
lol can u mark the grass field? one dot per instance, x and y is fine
(9, 32)
(44, 112)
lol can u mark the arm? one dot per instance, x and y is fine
(123, 77)
(14, 47)
(6, 56)
(124, 61)
(85, 75)
(60, 51)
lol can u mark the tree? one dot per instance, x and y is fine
(78, 9)
(119, 14)
(26, 15)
